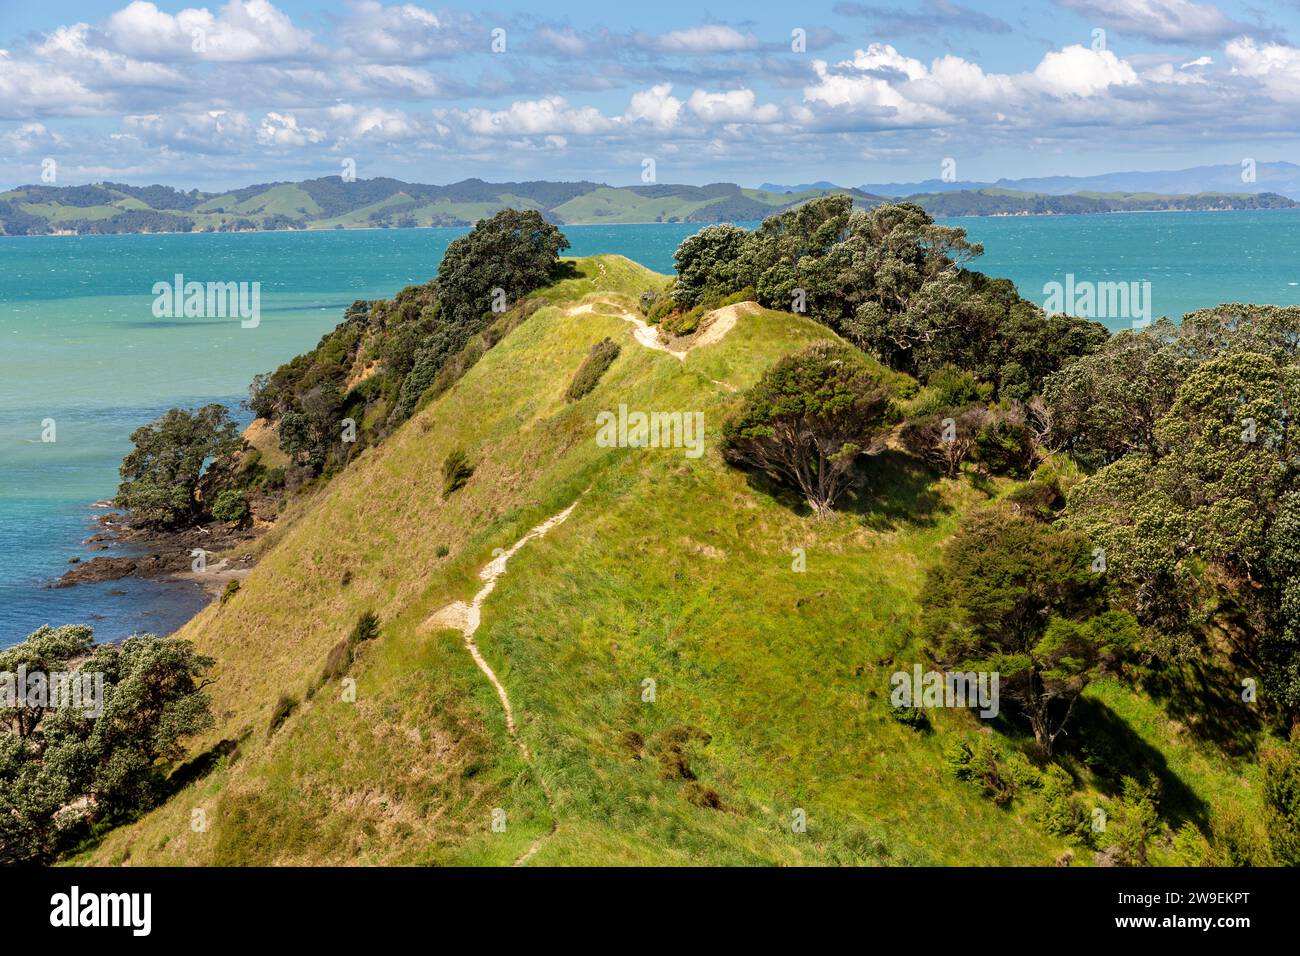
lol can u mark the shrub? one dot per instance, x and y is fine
(338, 661)
(808, 420)
(950, 388)
(944, 440)
(699, 795)
(746, 294)
(367, 628)
(1236, 840)
(285, 706)
(683, 323)
(231, 505)
(1039, 498)
(1006, 446)
(981, 763)
(456, 471)
(589, 373)
(1060, 812)
(913, 717)
(661, 307)
(1282, 799)
(442, 551)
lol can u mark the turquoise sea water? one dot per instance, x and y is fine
(79, 344)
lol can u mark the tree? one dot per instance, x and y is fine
(1106, 404)
(160, 476)
(809, 418)
(945, 438)
(1018, 598)
(514, 251)
(709, 264)
(63, 766)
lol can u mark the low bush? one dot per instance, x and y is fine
(593, 367)
(456, 471)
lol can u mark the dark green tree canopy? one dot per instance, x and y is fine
(1017, 597)
(160, 476)
(809, 418)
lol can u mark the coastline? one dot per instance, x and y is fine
(681, 222)
(160, 556)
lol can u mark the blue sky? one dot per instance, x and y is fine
(245, 91)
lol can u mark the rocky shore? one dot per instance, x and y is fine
(153, 554)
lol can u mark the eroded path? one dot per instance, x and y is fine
(466, 618)
(717, 324)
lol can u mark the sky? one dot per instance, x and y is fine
(254, 91)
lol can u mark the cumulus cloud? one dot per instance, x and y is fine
(242, 31)
(655, 106)
(552, 114)
(210, 131)
(282, 129)
(30, 89)
(403, 34)
(734, 106)
(1274, 65)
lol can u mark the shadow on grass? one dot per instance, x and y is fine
(1104, 743)
(890, 488)
(1205, 696)
(564, 269)
(895, 488)
(198, 766)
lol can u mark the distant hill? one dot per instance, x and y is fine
(775, 188)
(331, 203)
(1282, 178)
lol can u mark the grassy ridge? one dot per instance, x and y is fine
(771, 685)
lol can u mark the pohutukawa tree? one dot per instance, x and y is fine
(160, 476)
(1016, 597)
(808, 420)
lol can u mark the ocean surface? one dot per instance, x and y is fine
(80, 346)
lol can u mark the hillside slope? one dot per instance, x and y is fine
(331, 203)
(770, 685)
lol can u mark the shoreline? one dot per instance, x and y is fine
(700, 223)
(162, 556)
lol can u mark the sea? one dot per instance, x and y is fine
(84, 360)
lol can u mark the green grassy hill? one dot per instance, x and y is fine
(331, 203)
(770, 684)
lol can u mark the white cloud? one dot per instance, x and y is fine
(282, 129)
(734, 106)
(243, 30)
(1082, 71)
(75, 48)
(656, 106)
(29, 138)
(29, 88)
(215, 131)
(1170, 21)
(399, 34)
(1275, 66)
(711, 38)
(551, 114)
